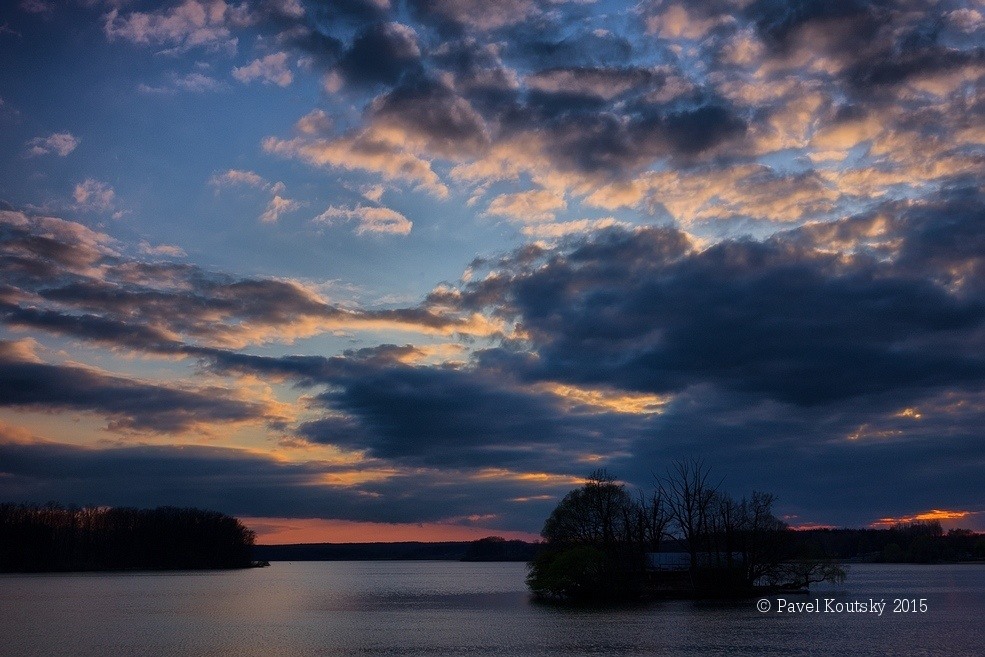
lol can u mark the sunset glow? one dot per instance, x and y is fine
(374, 270)
(285, 531)
(946, 518)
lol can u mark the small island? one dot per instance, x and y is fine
(53, 538)
(687, 539)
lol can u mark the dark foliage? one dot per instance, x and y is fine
(497, 548)
(56, 538)
(595, 550)
(914, 542)
(600, 541)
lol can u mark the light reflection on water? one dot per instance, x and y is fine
(447, 608)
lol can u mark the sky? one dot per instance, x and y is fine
(413, 269)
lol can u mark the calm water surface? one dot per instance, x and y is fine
(445, 608)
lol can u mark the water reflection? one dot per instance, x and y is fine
(441, 608)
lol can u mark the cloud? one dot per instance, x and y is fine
(37, 7)
(553, 230)
(277, 206)
(564, 98)
(62, 277)
(741, 191)
(441, 416)
(59, 143)
(429, 117)
(271, 69)
(366, 151)
(676, 23)
(603, 83)
(368, 219)
(193, 23)
(232, 177)
(92, 194)
(168, 250)
(786, 318)
(246, 483)
(193, 82)
(382, 53)
(314, 122)
(39, 247)
(130, 405)
(476, 15)
(533, 206)
(800, 298)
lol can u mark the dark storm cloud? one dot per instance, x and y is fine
(601, 141)
(95, 328)
(587, 48)
(129, 404)
(552, 77)
(429, 110)
(915, 60)
(879, 44)
(477, 69)
(436, 416)
(447, 417)
(381, 54)
(244, 483)
(844, 464)
(852, 22)
(357, 10)
(794, 323)
(324, 49)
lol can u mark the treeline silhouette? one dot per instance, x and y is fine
(57, 538)
(497, 548)
(491, 548)
(914, 542)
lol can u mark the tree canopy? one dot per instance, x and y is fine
(599, 537)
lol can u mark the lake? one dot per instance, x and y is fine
(448, 608)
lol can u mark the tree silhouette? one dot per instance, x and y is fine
(599, 535)
(57, 538)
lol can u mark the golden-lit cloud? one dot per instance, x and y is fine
(372, 220)
(675, 22)
(367, 152)
(600, 400)
(533, 206)
(557, 229)
(942, 515)
(538, 478)
(271, 69)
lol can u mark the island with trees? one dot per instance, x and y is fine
(61, 539)
(687, 538)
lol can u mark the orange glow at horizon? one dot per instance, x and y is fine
(941, 515)
(285, 531)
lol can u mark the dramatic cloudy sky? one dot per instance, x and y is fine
(359, 269)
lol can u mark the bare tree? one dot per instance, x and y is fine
(764, 547)
(689, 496)
(654, 519)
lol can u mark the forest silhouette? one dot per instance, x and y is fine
(57, 538)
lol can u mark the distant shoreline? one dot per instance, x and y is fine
(450, 551)
(512, 551)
